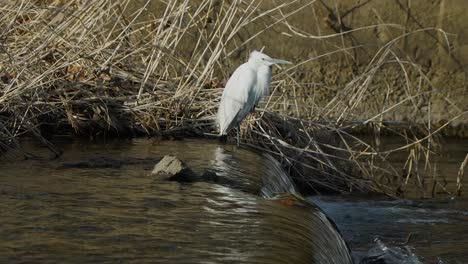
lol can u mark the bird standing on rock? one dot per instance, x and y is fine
(247, 85)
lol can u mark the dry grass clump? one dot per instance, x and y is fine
(107, 67)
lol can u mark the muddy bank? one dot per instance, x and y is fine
(426, 74)
(443, 64)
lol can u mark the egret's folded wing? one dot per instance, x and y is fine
(238, 98)
(263, 83)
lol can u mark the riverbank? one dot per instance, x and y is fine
(109, 68)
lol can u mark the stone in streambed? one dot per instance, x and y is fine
(173, 169)
(210, 176)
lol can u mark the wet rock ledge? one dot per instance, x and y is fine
(173, 169)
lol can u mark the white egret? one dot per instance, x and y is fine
(247, 85)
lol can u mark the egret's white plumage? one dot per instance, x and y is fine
(246, 87)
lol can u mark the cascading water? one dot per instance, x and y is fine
(97, 203)
(275, 180)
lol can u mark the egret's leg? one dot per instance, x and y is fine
(238, 134)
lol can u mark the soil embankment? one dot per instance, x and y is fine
(442, 58)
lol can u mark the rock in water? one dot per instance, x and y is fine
(210, 176)
(382, 254)
(173, 169)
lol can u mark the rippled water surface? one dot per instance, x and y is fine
(434, 229)
(97, 203)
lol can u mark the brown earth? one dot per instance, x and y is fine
(445, 66)
(441, 58)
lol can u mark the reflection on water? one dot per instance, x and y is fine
(97, 203)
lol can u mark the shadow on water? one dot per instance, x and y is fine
(97, 203)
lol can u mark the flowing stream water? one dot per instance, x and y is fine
(435, 228)
(97, 203)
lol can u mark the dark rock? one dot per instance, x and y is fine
(173, 169)
(210, 176)
(382, 254)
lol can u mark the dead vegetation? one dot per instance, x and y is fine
(101, 68)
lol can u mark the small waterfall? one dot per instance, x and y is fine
(250, 213)
(275, 180)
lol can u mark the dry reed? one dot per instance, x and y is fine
(100, 68)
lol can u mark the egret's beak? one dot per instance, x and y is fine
(275, 61)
